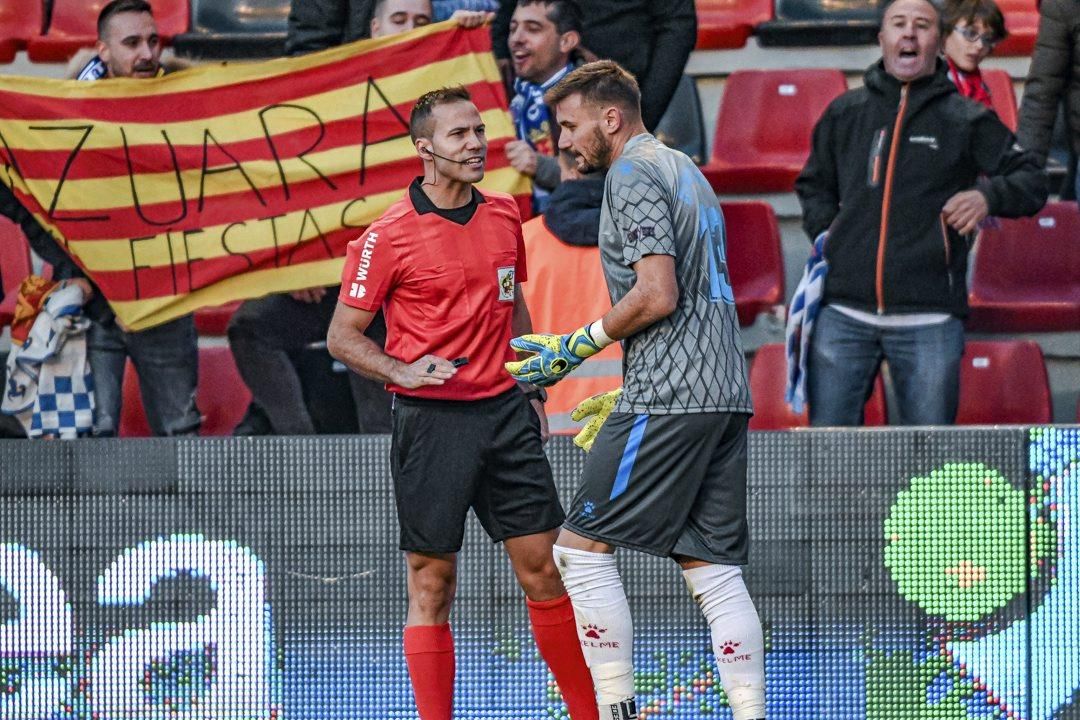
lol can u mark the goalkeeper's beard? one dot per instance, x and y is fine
(600, 152)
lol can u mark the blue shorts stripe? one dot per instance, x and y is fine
(626, 465)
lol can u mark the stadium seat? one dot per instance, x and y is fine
(1022, 22)
(1003, 383)
(214, 320)
(768, 376)
(724, 24)
(1002, 95)
(822, 22)
(1026, 274)
(682, 126)
(224, 29)
(15, 264)
(73, 26)
(20, 21)
(764, 127)
(754, 257)
(222, 396)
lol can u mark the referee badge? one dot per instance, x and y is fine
(506, 283)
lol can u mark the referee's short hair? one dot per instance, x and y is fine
(603, 82)
(117, 7)
(420, 119)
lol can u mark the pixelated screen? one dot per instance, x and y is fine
(901, 574)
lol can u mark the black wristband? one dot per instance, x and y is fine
(537, 394)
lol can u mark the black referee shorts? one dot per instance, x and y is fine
(447, 456)
(667, 485)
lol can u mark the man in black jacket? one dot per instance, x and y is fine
(901, 173)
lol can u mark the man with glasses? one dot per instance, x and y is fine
(900, 174)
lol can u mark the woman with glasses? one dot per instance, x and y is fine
(972, 29)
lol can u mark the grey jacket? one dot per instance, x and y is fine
(1054, 74)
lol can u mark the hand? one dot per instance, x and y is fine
(428, 370)
(555, 356)
(965, 210)
(472, 18)
(599, 407)
(538, 407)
(310, 295)
(84, 285)
(522, 157)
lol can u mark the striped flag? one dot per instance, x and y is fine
(233, 181)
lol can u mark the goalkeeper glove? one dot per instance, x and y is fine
(598, 407)
(555, 355)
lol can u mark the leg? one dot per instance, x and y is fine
(371, 398)
(844, 358)
(715, 543)
(552, 618)
(106, 353)
(167, 360)
(925, 366)
(604, 625)
(429, 645)
(262, 333)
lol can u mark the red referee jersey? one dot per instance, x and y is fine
(445, 288)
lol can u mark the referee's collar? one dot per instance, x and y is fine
(423, 205)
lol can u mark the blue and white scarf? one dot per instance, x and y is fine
(805, 304)
(533, 121)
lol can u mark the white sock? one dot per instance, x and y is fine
(604, 626)
(736, 636)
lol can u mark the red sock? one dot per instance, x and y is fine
(429, 653)
(556, 636)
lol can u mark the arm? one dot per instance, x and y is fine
(818, 185)
(655, 295)
(521, 324)
(1049, 72)
(500, 29)
(346, 342)
(674, 37)
(548, 175)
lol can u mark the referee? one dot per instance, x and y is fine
(667, 472)
(444, 263)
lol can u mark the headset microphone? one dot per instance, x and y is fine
(431, 152)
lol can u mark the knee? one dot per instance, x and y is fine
(538, 576)
(431, 589)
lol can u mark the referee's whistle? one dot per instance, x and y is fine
(458, 362)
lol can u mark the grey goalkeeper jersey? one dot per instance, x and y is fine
(656, 202)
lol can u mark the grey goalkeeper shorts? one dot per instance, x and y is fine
(668, 485)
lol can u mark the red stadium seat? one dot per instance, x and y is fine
(1022, 22)
(15, 264)
(222, 396)
(728, 23)
(1002, 95)
(1003, 383)
(768, 376)
(20, 20)
(754, 257)
(214, 320)
(74, 26)
(764, 127)
(1026, 274)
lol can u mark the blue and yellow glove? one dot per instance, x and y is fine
(598, 407)
(555, 356)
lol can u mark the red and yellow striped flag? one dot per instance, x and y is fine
(233, 181)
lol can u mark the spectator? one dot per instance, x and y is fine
(320, 24)
(1053, 77)
(650, 39)
(544, 35)
(899, 223)
(165, 357)
(263, 333)
(972, 29)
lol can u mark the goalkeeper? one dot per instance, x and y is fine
(667, 472)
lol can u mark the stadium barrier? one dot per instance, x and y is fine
(899, 574)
